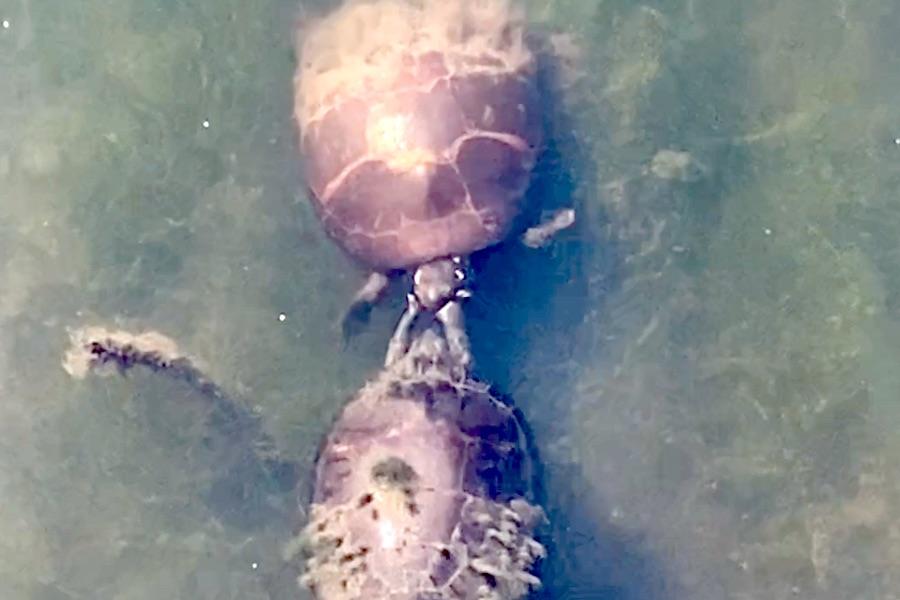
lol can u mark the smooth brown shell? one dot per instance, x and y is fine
(419, 125)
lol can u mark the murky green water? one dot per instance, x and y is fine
(709, 364)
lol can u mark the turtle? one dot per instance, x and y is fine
(420, 124)
(423, 488)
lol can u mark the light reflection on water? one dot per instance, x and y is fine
(708, 364)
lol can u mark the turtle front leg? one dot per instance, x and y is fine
(400, 341)
(361, 305)
(539, 235)
(451, 317)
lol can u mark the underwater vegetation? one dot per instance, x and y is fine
(708, 363)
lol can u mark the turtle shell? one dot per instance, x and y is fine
(419, 123)
(421, 492)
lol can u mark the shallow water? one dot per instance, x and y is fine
(708, 363)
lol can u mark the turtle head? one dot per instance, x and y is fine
(437, 282)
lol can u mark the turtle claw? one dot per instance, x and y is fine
(356, 316)
(400, 341)
(353, 321)
(452, 318)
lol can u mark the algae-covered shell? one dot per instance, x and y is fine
(419, 123)
(421, 492)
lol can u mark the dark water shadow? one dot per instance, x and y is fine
(588, 558)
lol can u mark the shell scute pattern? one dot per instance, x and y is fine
(498, 103)
(438, 112)
(333, 141)
(397, 100)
